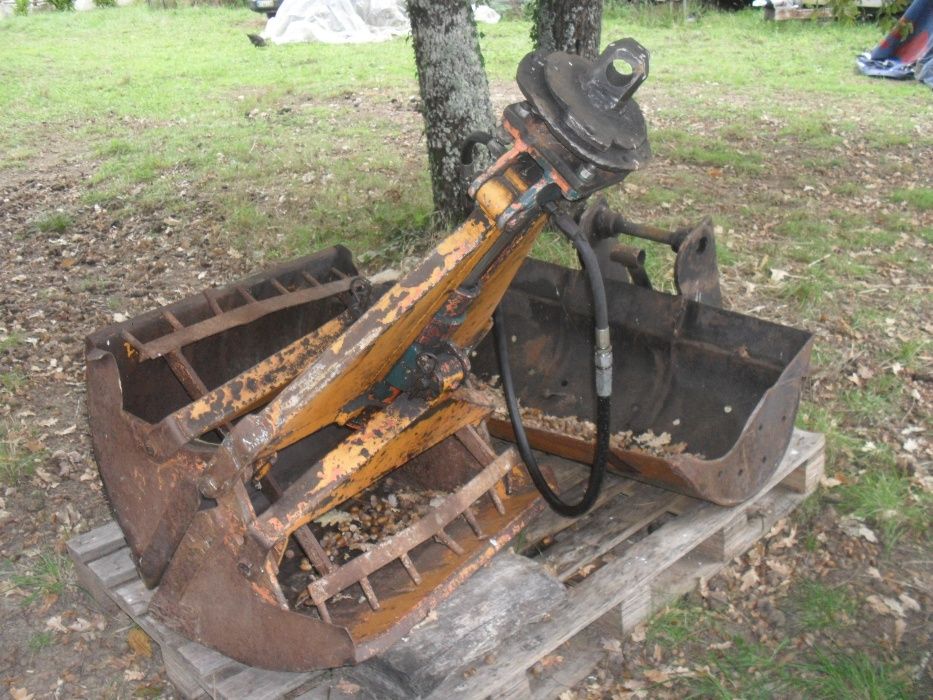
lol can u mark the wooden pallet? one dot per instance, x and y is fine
(639, 550)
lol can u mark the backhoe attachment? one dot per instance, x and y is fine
(304, 462)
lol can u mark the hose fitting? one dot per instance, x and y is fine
(602, 362)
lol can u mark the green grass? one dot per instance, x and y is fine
(41, 640)
(854, 676)
(316, 121)
(885, 497)
(16, 462)
(746, 670)
(912, 353)
(879, 396)
(920, 198)
(676, 624)
(12, 381)
(819, 606)
(55, 222)
(840, 444)
(47, 574)
(715, 154)
(755, 672)
(10, 341)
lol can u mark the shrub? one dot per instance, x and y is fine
(63, 5)
(105, 3)
(21, 7)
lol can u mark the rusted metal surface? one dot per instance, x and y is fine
(454, 506)
(696, 272)
(153, 495)
(727, 385)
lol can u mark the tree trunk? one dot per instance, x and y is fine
(454, 94)
(568, 25)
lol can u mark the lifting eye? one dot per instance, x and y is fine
(618, 73)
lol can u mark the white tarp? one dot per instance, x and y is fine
(337, 21)
(346, 21)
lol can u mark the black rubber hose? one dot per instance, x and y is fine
(603, 385)
(471, 140)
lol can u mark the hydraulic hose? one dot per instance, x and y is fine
(603, 381)
(471, 140)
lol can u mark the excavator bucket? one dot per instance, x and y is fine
(304, 462)
(704, 399)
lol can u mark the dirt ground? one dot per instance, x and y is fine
(60, 644)
(56, 642)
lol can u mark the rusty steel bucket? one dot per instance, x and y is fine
(724, 386)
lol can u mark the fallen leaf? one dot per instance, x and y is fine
(334, 517)
(909, 603)
(551, 660)
(779, 275)
(899, 628)
(67, 431)
(20, 694)
(721, 646)
(749, 579)
(348, 688)
(657, 675)
(638, 634)
(133, 674)
(54, 623)
(45, 476)
(779, 567)
(139, 642)
(878, 605)
(611, 645)
(785, 542)
(80, 625)
(47, 602)
(856, 528)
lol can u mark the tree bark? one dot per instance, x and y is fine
(454, 94)
(568, 25)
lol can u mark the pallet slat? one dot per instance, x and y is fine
(608, 526)
(605, 588)
(467, 625)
